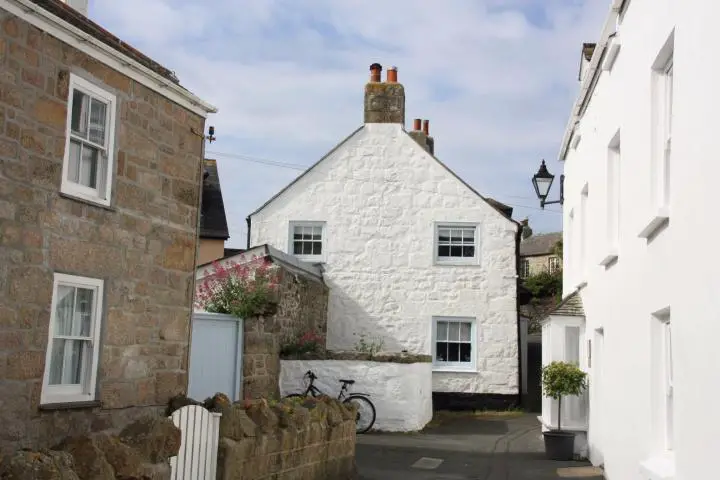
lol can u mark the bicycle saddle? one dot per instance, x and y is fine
(349, 382)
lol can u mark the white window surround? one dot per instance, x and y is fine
(583, 240)
(613, 49)
(88, 336)
(612, 205)
(101, 193)
(460, 337)
(311, 228)
(554, 264)
(661, 152)
(464, 245)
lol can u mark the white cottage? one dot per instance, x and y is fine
(413, 255)
(641, 176)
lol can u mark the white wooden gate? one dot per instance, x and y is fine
(197, 458)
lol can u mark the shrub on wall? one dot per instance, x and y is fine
(242, 290)
(306, 343)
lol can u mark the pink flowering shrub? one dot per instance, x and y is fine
(242, 290)
(308, 342)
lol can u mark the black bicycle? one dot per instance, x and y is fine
(365, 409)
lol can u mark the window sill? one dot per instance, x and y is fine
(661, 467)
(441, 369)
(661, 217)
(609, 259)
(457, 263)
(70, 405)
(88, 201)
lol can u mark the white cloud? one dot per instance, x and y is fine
(495, 77)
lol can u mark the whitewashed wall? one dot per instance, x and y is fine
(676, 269)
(381, 194)
(401, 393)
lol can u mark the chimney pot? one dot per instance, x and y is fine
(416, 124)
(392, 75)
(375, 72)
(426, 127)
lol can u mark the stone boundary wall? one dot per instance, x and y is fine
(302, 307)
(293, 439)
(401, 392)
(141, 451)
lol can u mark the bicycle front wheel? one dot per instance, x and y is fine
(365, 418)
(295, 395)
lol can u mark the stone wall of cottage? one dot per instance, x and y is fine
(143, 245)
(302, 307)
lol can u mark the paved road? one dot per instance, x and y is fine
(467, 448)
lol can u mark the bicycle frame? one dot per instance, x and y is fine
(314, 391)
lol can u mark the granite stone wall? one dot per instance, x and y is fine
(302, 307)
(142, 245)
(295, 439)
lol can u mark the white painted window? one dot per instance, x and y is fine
(668, 382)
(307, 240)
(553, 264)
(613, 194)
(71, 362)
(454, 343)
(572, 345)
(582, 263)
(89, 155)
(524, 268)
(662, 124)
(456, 243)
(569, 247)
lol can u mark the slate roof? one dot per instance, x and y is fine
(501, 208)
(78, 20)
(540, 244)
(213, 223)
(570, 306)
(291, 262)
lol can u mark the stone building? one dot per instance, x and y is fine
(213, 222)
(414, 257)
(538, 253)
(100, 173)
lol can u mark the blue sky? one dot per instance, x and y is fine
(496, 79)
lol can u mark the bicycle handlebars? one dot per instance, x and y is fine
(310, 375)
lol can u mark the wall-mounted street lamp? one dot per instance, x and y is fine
(542, 181)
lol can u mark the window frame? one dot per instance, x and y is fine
(554, 259)
(524, 268)
(87, 391)
(474, 260)
(323, 239)
(455, 366)
(103, 194)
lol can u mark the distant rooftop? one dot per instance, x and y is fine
(540, 244)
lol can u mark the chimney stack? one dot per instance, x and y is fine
(419, 133)
(384, 101)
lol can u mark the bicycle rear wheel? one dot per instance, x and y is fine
(295, 395)
(365, 418)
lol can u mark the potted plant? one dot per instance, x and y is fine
(561, 379)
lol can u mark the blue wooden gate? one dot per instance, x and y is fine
(216, 353)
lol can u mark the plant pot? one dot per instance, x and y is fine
(559, 445)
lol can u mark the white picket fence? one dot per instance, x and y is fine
(197, 458)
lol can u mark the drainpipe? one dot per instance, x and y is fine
(197, 244)
(247, 219)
